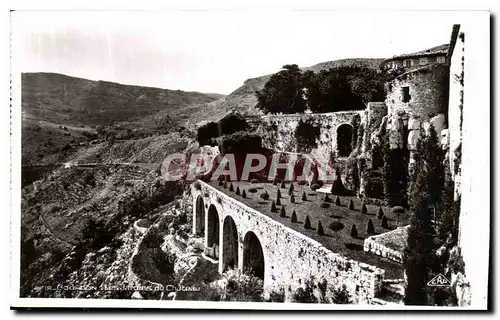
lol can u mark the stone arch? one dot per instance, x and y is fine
(229, 244)
(344, 139)
(213, 227)
(200, 215)
(253, 255)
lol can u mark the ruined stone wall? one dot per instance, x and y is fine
(428, 89)
(278, 131)
(290, 258)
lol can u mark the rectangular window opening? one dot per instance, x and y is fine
(406, 94)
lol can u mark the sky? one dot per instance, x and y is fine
(210, 51)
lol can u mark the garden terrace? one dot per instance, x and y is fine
(314, 206)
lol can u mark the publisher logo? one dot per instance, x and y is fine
(439, 281)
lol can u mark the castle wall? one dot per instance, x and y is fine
(428, 92)
(278, 131)
(290, 258)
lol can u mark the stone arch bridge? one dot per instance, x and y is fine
(241, 237)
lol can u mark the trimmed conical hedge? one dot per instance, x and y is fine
(293, 218)
(282, 212)
(354, 231)
(320, 230)
(307, 223)
(370, 229)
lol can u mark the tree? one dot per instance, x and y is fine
(380, 213)
(291, 188)
(282, 212)
(363, 209)
(354, 231)
(278, 201)
(244, 194)
(304, 197)
(293, 218)
(307, 223)
(370, 229)
(283, 92)
(351, 205)
(385, 224)
(273, 207)
(337, 201)
(320, 230)
(237, 191)
(231, 188)
(292, 198)
(420, 252)
(278, 194)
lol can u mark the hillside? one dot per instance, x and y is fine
(68, 100)
(243, 99)
(61, 114)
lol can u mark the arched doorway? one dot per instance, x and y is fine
(344, 140)
(230, 244)
(253, 256)
(213, 231)
(200, 216)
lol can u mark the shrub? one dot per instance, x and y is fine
(341, 296)
(325, 205)
(351, 205)
(254, 181)
(302, 182)
(307, 223)
(293, 218)
(292, 198)
(244, 194)
(264, 195)
(224, 185)
(231, 188)
(283, 184)
(363, 209)
(369, 227)
(239, 142)
(306, 135)
(291, 188)
(337, 201)
(221, 183)
(278, 201)
(238, 191)
(380, 213)
(197, 185)
(320, 230)
(336, 226)
(385, 225)
(252, 190)
(282, 212)
(315, 186)
(241, 286)
(354, 231)
(277, 296)
(304, 197)
(273, 207)
(337, 185)
(278, 194)
(305, 295)
(275, 181)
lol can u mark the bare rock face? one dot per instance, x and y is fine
(438, 122)
(413, 138)
(445, 139)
